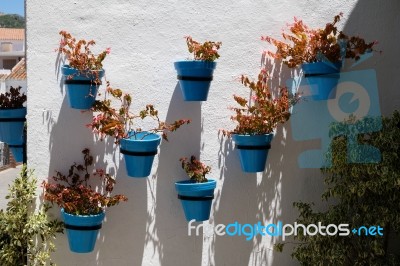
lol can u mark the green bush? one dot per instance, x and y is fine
(12, 21)
(26, 235)
(364, 194)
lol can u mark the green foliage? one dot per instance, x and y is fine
(12, 21)
(365, 194)
(24, 235)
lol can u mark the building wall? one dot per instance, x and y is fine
(16, 53)
(146, 37)
(16, 44)
(5, 62)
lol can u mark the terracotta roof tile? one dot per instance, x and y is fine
(19, 71)
(3, 76)
(12, 34)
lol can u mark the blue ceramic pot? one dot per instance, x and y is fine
(322, 79)
(82, 230)
(195, 78)
(81, 88)
(253, 151)
(196, 198)
(139, 151)
(12, 130)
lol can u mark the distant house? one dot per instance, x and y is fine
(12, 47)
(17, 77)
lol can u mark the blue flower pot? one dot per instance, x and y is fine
(195, 78)
(253, 151)
(81, 88)
(82, 230)
(322, 79)
(196, 198)
(12, 130)
(139, 151)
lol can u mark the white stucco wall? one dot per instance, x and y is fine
(146, 37)
(17, 51)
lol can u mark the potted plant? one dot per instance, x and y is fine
(195, 76)
(138, 146)
(257, 119)
(82, 206)
(197, 193)
(12, 120)
(83, 74)
(320, 53)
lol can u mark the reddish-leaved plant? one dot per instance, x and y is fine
(262, 113)
(80, 56)
(119, 122)
(195, 169)
(207, 51)
(305, 45)
(74, 193)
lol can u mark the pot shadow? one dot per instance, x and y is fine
(168, 227)
(127, 225)
(235, 203)
(267, 197)
(117, 230)
(385, 64)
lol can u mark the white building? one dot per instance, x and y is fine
(17, 77)
(12, 47)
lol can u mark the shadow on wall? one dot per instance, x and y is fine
(168, 234)
(380, 22)
(125, 224)
(250, 198)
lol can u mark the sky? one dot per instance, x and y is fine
(12, 7)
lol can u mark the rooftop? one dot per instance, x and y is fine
(12, 34)
(19, 71)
